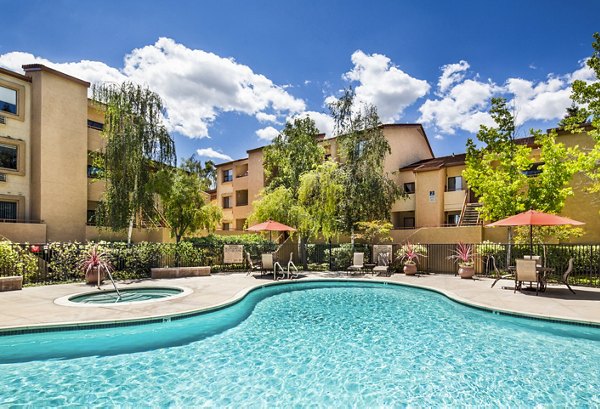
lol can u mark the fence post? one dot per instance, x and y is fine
(330, 265)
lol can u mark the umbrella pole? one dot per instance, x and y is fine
(531, 241)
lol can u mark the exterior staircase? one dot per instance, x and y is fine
(470, 215)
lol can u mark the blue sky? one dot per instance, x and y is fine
(232, 72)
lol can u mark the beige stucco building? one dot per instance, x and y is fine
(48, 128)
(438, 207)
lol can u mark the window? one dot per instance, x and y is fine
(94, 172)
(409, 222)
(8, 100)
(241, 198)
(91, 217)
(8, 157)
(409, 188)
(360, 148)
(227, 202)
(225, 226)
(455, 183)
(534, 170)
(8, 210)
(239, 224)
(453, 219)
(228, 175)
(95, 125)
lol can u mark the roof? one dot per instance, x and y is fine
(454, 159)
(436, 163)
(42, 67)
(14, 74)
(322, 136)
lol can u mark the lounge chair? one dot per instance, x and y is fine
(566, 274)
(251, 266)
(358, 262)
(383, 265)
(526, 271)
(267, 265)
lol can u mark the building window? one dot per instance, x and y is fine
(91, 217)
(94, 172)
(534, 170)
(239, 224)
(8, 157)
(95, 125)
(455, 183)
(227, 202)
(8, 210)
(241, 198)
(409, 188)
(8, 100)
(453, 219)
(225, 226)
(228, 175)
(409, 222)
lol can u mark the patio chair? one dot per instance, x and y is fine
(538, 259)
(267, 265)
(251, 266)
(358, 263)
(499, 276)
(566, 274)
(526, 271)
(383, 265)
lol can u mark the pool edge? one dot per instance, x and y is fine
(240, 295)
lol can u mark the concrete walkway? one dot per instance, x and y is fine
(35, 307)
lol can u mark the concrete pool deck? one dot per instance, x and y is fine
(34, 306)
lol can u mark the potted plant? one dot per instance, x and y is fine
(463, 255)
(409, 256)
(95, 265)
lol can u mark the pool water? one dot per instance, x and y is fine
(324, 345)
(127, 295)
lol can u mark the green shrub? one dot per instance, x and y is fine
(15, 260)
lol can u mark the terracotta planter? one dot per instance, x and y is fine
(91, 277)
(466, 271)
(410, 269)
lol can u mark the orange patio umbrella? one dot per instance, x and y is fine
(534, 218)
(270, 226)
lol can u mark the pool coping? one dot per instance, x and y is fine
(241, 294)
(65, 301)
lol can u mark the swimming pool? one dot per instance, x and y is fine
(126, 295)
(312, 344)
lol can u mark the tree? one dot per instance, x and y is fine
(293, 152)
(369, 192)
(137, 143)
(184, 204)
(508, 179)
(320, 194)
(586, 96)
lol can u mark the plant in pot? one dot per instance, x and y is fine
(463, 255)
(409, 256)
(95, 265)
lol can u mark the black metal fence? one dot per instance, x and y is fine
(59, 262)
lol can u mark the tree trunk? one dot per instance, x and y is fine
(303, 253)
(177, 238)
(130, 230)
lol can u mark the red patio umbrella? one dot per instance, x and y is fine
(270, 226)
(534, 218)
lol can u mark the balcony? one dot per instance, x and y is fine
(407, 204)
(453, 201)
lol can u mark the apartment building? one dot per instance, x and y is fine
(438, 207)
(239, 182)
(48, 129)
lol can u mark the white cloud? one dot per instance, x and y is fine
(211, 153)
(451, 74)
(462, 106)
(545, 100)
(264, 117)
(196, 86)
(439, 137)
(267, 134)
(323, 122)
(384, 85)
